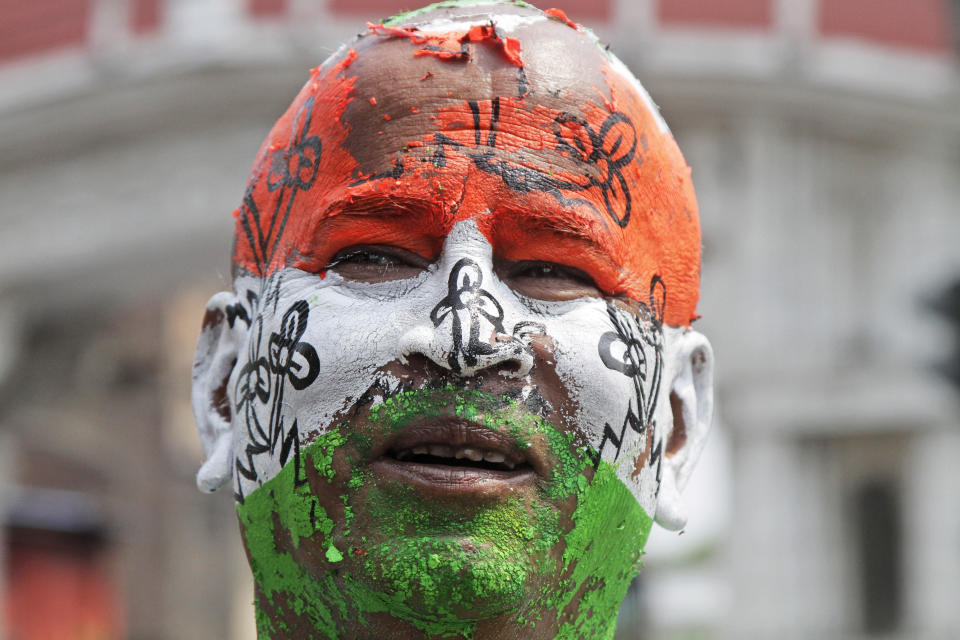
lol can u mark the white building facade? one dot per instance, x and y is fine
(825, 145)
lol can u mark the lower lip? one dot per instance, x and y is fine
(449, 481)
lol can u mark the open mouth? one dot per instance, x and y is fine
(464, 457)
(455, 457)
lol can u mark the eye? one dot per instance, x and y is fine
(541, 270)
(547, 280)
(377, 263)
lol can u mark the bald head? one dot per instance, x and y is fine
(495, 112)
(432, 62)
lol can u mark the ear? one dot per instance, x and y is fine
(221, 338)
(691, 402)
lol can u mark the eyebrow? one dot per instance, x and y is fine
(370, 205)
(593, 232)
(425, 214)
(373, 218)
(590, 234)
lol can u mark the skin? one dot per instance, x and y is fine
(349, 340)
(488, 538)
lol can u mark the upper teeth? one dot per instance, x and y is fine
(458, 453)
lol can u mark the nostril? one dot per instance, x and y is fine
(465, 355)
(509, 368)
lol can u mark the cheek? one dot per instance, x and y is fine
(354, 339)
(611, 365)
(604, 397)
(311, 353)
(599, 393)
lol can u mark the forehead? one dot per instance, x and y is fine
(526, 58)
(515, 120)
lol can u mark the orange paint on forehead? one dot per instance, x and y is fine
(561, 15)
(301, 168)
(599, 187)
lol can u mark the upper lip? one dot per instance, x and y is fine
(459, 438)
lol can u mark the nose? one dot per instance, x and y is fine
(465, 330)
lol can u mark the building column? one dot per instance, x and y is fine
(932, 535)
(763, 497)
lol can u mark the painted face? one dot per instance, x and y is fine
(439, 432)
(459, 260)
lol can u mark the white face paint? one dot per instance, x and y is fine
(506, 22)
(317, 345)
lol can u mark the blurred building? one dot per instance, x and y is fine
(824, 137)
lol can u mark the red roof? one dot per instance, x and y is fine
(578, 10)
(711, 13)
(917, 24)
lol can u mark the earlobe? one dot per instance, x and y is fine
(221, 337)
(691, 401)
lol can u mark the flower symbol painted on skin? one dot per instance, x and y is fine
(287, 170)
(292, 326)
(608, 150)
(253, 387)
(635, 349)
(289, 357)
(253, 383)
(466, 303)
(260, 389)
(602, 154)
(628, 341)
(298, 163)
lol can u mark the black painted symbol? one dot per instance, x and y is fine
(602, 153)
(467, 305)
(289, 170)
(610, 149)
(262, 382)
(635, 349)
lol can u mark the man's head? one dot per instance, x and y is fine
(456, 380)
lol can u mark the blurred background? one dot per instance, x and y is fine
(824, 137)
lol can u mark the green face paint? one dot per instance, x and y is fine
(344, 546)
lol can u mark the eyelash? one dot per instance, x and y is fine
(366, 255)
(551, 270)
(384, 258)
